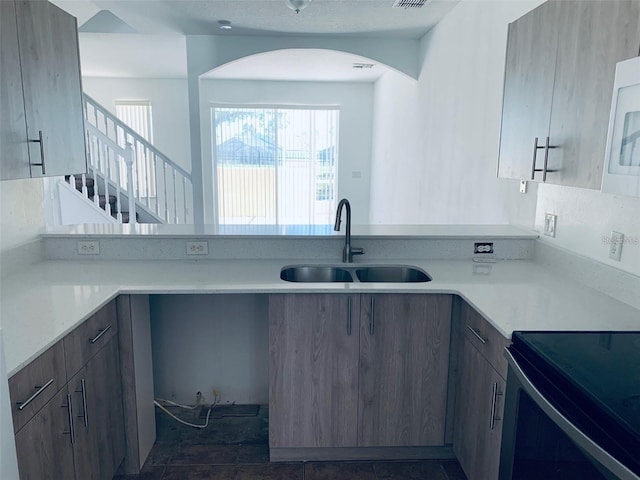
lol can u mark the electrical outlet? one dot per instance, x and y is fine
(86, 247)
(483, 247)
(550, 224)
(197, 248)
(615, 245)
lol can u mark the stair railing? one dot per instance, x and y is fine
(159, 186)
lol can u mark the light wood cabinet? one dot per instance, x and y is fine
(44, 445)
(99, 427)
(313, 370)
(559, 74)
(479, 402)
(42, 117)
(404, 358)
(79, 432)
(358, 370)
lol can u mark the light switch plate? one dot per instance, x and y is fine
(550, 224)
(523, 186)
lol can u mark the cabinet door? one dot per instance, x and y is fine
(43, 446)
(99, 447)
(313, 370)
(404, 358)
(528, 90)
(478, 414)
(48, 44)
(595, 36)
(13, 127)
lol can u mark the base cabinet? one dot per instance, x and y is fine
(478, 410)
(79, 433)
(358, 370)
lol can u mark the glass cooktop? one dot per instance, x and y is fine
(595, 378)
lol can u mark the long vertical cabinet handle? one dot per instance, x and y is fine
(42, 160)
(535, 155)
(546, 160)
(372, 317)
(494, 405)
(83, 390)
(349, 315)
(71, 432)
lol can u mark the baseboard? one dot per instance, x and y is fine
(444, 452)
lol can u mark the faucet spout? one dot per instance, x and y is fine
(348, 251)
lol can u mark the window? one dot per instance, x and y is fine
(275, 165)
(137, 115)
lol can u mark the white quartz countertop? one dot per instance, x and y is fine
(43, 303)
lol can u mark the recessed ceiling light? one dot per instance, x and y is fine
(224, 24)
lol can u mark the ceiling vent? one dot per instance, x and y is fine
(363, 65)
(409, 3)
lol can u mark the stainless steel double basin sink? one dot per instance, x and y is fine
(354, 273)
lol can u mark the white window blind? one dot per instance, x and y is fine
(275, 165)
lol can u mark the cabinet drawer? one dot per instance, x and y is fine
(483, 336)
(87, 339)
(33, 386)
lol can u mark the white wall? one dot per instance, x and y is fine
(448, 127)
(585, 220)
(356, 112)
(21, 212)
(202, 342)
(169, 106)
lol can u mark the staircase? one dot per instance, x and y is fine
(128, 179)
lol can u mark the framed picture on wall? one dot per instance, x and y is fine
(622, 155)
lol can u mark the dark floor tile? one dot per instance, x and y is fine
(161, 454)
(205, 455)
(270, 471)
(199, 472)
(149, 472)
(338, 471)
(249, 454)
(426, 470)
(453, 470)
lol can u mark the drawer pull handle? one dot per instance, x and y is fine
(23, 405)
(100, 333)
(494, 403)
(477, 334)
(372, 319)
(72, 430)
(83, 390)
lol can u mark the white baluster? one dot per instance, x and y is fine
(155, 180)
(72, 181)
(175, 198)
(166, 202)
(184, 199)
(85, 190)
(129, 160)
(107, 204)
(96, 199)
(118, 190)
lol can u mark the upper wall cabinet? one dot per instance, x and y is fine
(41, 116)
(559, 73)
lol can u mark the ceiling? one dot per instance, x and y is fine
(103, 52)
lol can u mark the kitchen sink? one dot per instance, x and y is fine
(354, 273)
(394, 274)
(315, 273)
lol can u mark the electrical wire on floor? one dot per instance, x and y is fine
(157, 403)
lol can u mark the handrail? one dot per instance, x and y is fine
(156, 184)
(136, 136)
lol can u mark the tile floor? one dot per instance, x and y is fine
(236, 448)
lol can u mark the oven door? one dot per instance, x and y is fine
(540, 442)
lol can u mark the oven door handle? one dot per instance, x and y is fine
(573, 432)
